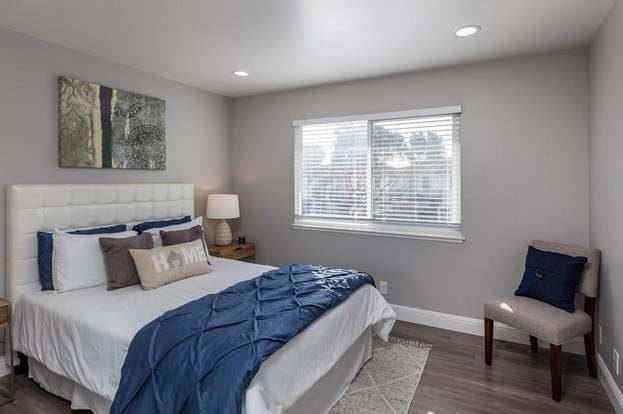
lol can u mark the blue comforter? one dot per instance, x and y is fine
(200, 357)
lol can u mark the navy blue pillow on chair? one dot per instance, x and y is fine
(552, 278)
(45, 247)
(146, 225)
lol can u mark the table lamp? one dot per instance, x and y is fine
(222, 207)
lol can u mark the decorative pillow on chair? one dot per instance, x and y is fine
(552, 278)
(163, 265)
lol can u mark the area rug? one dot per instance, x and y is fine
(387, 383)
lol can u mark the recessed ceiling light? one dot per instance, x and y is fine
(467, 30)
(241, 73)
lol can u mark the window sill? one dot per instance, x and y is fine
(383, 230)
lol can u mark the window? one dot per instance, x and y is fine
(393, 174)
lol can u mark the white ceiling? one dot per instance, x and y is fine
(293, 43)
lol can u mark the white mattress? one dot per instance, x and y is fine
(84, 335)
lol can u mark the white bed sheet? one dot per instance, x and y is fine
(84, 335)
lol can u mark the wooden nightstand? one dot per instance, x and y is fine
(5, 320)
(245, 252)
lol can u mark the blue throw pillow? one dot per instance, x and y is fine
(552, 278)
(146, 225)
(45, 247)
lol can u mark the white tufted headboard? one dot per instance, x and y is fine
(32, 208)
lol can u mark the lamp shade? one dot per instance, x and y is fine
(222, 206)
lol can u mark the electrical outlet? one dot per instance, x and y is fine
(615, 361)
(383, 287)
(600, 334)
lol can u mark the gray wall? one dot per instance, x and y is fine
(525, 175)
(606, 150)
(197, 122)
(525, 164)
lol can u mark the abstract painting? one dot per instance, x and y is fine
(101, 127)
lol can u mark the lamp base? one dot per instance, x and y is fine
(222, 236)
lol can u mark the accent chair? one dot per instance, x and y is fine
(548, 323)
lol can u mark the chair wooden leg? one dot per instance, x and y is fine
(589, 347)
(555, 352)
(534, 343)
(488, 340)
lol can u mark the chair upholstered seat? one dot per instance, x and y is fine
(539, 319)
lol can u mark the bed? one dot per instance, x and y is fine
(76, 341)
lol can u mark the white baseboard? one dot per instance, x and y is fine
(474, 327)
(610, 385)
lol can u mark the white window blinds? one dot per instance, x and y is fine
(402, 168)
(416, 170)
(333, 173)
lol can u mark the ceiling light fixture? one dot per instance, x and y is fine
(241, 73)
(467, 30)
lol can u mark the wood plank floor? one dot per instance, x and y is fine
(455, 380)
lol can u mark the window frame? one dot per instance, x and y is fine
(422, 231)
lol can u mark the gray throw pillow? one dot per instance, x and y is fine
(120, 268)
(171, 238)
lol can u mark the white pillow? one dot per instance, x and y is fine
(78, 261)
(155, 232)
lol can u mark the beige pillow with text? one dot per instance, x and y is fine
(163, 265)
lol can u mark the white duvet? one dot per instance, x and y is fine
(84, 335)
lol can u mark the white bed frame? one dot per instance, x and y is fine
(33, 208)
